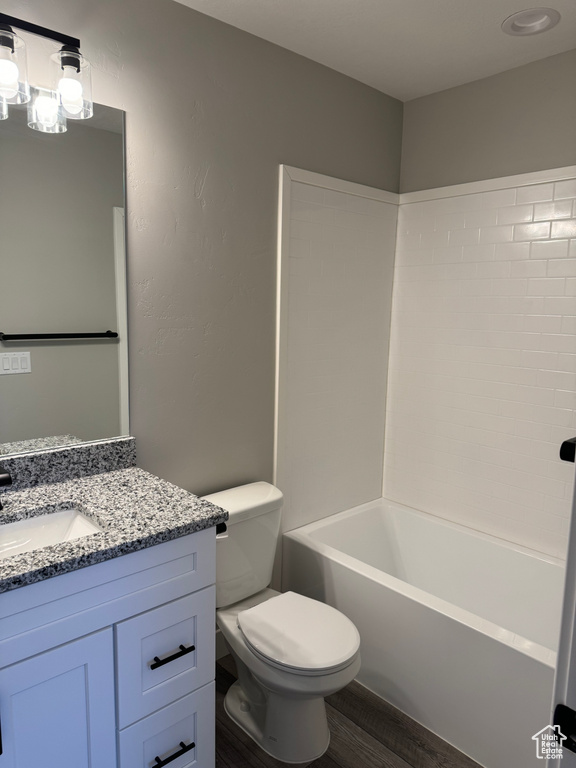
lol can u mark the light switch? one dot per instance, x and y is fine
(15, 362)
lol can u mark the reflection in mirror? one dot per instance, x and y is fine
(62, 270)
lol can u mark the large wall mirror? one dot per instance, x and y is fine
(62, 270)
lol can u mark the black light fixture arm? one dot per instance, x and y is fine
(34, 29)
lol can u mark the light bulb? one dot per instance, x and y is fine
(70, 91)
(70, 88)
(46, 111)
(8, 79)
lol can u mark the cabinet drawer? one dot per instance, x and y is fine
(155, 661)
(189, 720)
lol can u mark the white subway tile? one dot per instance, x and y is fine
(478, 252)
(497, 269)
(528, 268)
(500, 198)
(545, 287)
(536, 396)
(565, 399)
(570, 289)
(299, 249)
(536, 231)
(510, 251)
(483, 218)
(411, 242)
(565, 305)
(553, 210)
(543, 323)
(557, 380)
(416, 226)
(564, 189)
(532, 430)
(501, 322)
(562, 268)
(535, 193)
(448, 221)
(558, 342)
(503, 234)
(438, 239)
(564, 228)
(308, 211)
(516, 214)
(511, 287)
(307, 230)
(550, 249)
(568, 325)
(464, 237)
(448, 254)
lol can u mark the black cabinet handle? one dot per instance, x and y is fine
(158, 662)
(568, 450)
(182, 751)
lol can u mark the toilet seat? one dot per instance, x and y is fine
(300, 635)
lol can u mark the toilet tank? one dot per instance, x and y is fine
(245, 553)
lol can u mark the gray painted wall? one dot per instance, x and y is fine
(210, 114)
(57, 275)
(515, 122)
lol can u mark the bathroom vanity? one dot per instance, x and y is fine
(108, 660)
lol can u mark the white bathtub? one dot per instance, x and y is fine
(459, 630)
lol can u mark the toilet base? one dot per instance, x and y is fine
(293, 730)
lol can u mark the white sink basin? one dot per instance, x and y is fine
(44, 530)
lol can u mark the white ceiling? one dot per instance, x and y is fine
(406, 48)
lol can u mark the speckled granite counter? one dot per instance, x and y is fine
(39, 444)
(134, 509)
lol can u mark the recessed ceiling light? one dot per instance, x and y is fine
(531, 22)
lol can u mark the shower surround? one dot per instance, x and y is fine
(482, 365)
(481, 382)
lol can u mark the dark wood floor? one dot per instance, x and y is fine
(366, 732)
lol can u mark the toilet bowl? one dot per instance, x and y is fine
(290, 651)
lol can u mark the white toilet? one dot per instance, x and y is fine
(290, 651)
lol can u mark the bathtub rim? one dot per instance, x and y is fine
(507, 637)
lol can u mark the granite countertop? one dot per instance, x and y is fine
(38, 444)
(135, 510)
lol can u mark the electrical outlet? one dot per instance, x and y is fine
(14, 362)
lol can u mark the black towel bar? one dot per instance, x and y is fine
(45, 336)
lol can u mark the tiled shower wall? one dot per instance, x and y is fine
(337, 269)
(482, 368)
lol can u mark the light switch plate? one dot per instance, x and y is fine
(14, 362)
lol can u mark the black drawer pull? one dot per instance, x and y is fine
(160, 763)
(158, 662)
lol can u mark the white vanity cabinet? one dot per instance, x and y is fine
(58, 707)
(113, 665)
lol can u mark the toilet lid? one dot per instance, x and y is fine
(301, 633)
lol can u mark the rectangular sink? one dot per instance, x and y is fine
(44, 530)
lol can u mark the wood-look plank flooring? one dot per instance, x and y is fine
(366, 732)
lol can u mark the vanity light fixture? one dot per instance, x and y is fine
(70, 93)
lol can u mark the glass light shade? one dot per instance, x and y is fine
(45, 113)
(3, 110)
(72, 80)
(14, 88)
